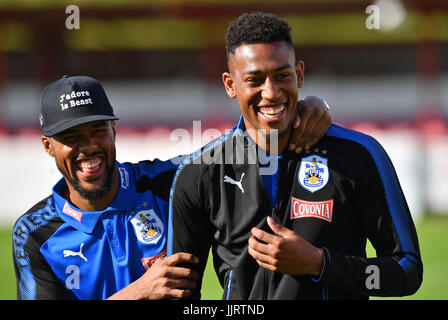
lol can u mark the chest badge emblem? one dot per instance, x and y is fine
(147, 226)
(313, 172)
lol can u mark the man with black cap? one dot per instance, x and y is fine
(104, 225)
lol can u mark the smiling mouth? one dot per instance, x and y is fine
(89, 168)
(89, 164)
(272, 112)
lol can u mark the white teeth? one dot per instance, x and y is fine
(270, 112)
(89, 164)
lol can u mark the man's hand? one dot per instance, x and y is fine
(162, 280)
(286, 252)
(311, 122)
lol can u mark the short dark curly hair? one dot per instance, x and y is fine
(256, 27)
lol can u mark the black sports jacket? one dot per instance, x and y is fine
(338, 195)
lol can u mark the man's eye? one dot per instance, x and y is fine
(285, 75)
(68, 139)
(254, 81)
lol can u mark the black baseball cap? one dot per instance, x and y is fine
(72, 101)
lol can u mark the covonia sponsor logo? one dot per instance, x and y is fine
(148, 262)
(72, 212)
(312, 209)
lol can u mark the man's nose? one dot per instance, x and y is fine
(270, 90)
(87, 144)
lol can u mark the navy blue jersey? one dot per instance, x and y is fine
(62, 252)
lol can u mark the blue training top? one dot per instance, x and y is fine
(62, 252)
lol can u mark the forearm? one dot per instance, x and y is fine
(132, 292)
(317, 262)
(382, 276)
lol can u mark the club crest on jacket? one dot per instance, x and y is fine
(313, 172)
(148, 226)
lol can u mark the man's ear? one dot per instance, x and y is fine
(229, 84)
(300, 71)
(47, 145)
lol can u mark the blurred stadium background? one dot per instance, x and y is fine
(161, 64)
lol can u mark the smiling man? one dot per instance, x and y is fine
(299, 231)
(264, 78)
(89, 168)
(102, 232)
(104, 225)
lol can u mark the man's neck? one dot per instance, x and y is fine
(273, 144)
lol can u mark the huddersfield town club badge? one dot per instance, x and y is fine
(313, 172)
(148, 226)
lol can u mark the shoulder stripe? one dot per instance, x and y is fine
(35, 218)
(394, 196)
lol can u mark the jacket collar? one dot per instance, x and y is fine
(240, 130)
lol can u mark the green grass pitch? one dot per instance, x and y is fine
(432, 232)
